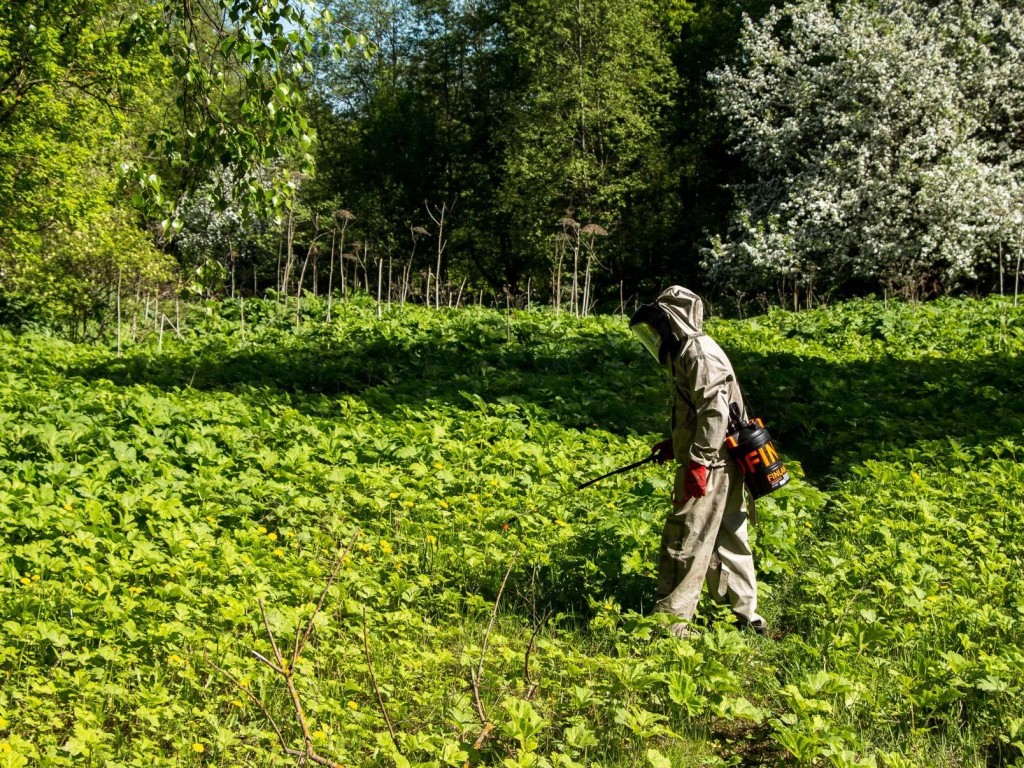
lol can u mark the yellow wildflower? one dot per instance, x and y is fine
(442, 504)
(262, 529)
(408, 504)
(353, 706)
(385, 547)
(431, 539)
(392, 495)
(278, 552)
(26, 580)
(272, 536)
(198, 748)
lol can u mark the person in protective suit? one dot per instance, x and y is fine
(705, 536)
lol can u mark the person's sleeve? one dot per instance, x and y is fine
(709, 386)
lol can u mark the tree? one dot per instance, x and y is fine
(416, 123)
(883, 143)
(69, 101)
(239, 70)
(513, 113)
(586, 137)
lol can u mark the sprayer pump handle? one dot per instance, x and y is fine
(735, 418)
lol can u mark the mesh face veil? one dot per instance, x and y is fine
(649, 337)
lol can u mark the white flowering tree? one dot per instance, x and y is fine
(884, 140)
(217, 233)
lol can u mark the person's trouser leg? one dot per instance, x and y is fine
(731, 574)
(687, 545)
(706, 538)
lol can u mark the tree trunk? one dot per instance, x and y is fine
(330, 278)
(298, 288)
(1000, 269)
(1016, 281)
(380, 282)
(586, 289)
(119, 313)
(575, 279)
(366, 271)
(289, 257)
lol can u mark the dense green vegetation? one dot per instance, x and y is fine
(150, 501)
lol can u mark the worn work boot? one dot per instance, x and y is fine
(758, 626)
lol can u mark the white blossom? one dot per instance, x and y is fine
(885, 139)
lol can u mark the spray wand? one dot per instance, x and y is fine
(626, 468)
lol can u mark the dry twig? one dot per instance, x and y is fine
(532, 684)
(476, 675)
(286, 668)
(483, 650)
(376, 688)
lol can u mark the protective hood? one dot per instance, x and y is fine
(684, 310)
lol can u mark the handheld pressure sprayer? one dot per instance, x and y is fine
(753, 449)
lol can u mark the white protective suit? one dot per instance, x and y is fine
(704, 537)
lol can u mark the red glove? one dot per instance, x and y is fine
(663, 451)
(695, 481)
